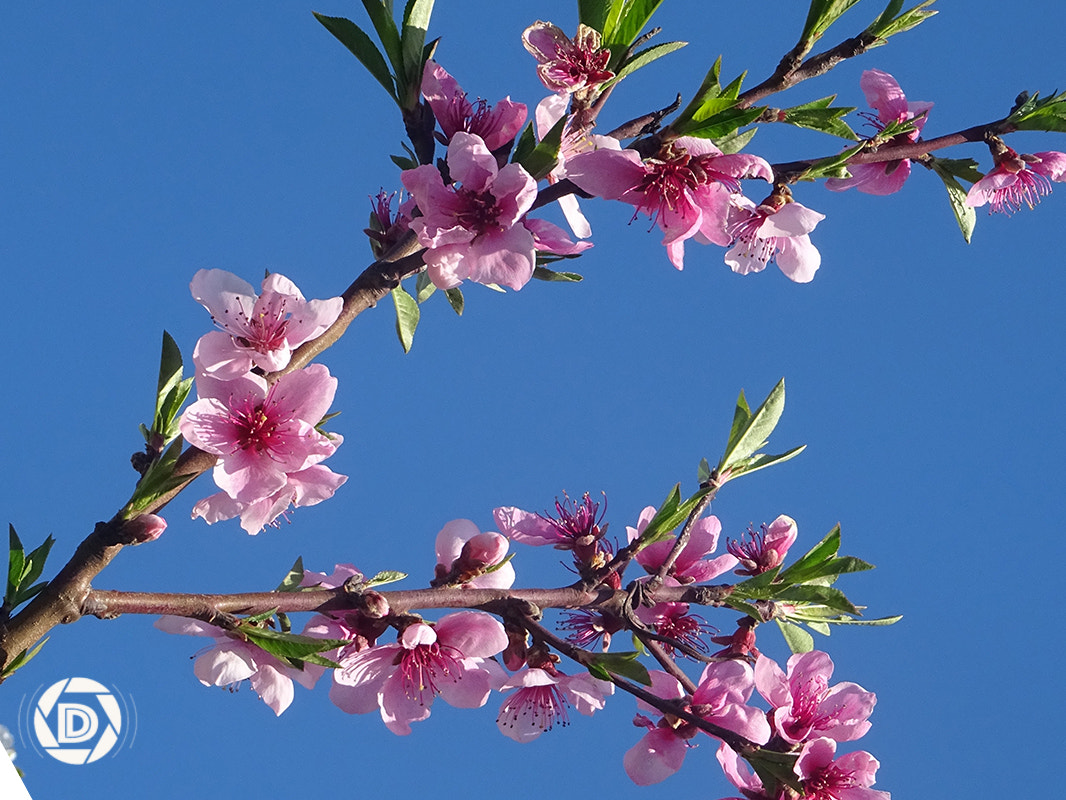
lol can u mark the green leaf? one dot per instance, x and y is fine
(1035, 114)
(16, 560)
(545, 155)
(965, 216)
(407, 315)
(594, 13)
(735, 141)
(822, 14)
(737, 604)
(290, 646)
(362, 47)
(386, 576)
(455, 299)
(819, 115)
(424, 287)
(634, 18)
(797, 639)
(404, 162)
(624, 664)
(33, 568)
(22, 659)
(892, 22)
(756, 430)
(747, 466)
(157, 480)
(380, 14)
(703, 471)
(826, 549)
(413, 39)
(545, 274)
(820, 595)
(645, 57)
(293, 579)
(757, 587)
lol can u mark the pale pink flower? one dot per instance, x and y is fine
(472, 229)
(262, 435)
(692, 564)
(774, 230)
(846, 778)
(763, 550)
(496, 125)
(307, 487)
(451, 658)
(1017, 180)
(232, 660)
(806, 706)
(720, 698)
(685, 189)
(256, 331)
(466, 555)
(541, 698)
(565, 65)
(886, 97)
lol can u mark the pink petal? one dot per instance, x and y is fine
(273, 687)
(798, 258)
(451, 539)
(472, 633)
(470, 162)
(505, 257)
(217, 355)
(606, 173)
(657, 756)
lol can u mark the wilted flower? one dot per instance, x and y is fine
(566, 65)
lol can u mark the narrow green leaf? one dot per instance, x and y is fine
(545, 155)
(645, 57)
(362, 47)
(886, 26)
(755, 463)
(386, 576)
(455, 299)
(22, 659)
(545, 274)
(624, 664)
(633, 20)
(758, 429)
(158, 480)
(757, 587)
(821, 595)
(735, 141)
(724, 123)
(818, 627)
(822, 14)
(16, 560)
(594, 12)
(797, 639)
(826, 549)
(380, 14)
(413, 39)
(824, 120)
(703, 471)
(965, 216)
(424, 287)
(291, 583)
(34, 565)
(289, 645)
(407, 315)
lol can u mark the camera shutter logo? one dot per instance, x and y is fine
(77, 720)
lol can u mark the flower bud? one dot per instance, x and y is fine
(145, 528)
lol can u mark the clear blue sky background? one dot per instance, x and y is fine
(141, 142)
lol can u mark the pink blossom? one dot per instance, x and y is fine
(566, 65)
(774, 230)
(739, 773)
(886, 97)
(472, 230)
(674, 621)
(386, 230)
(685, 189)
(256, 331)
(806, 706)
(451, 658)
(541, 698)
(496, 125)
(691, 565)
(846, 778)
(1017, 180)
(307, 487)
(144, 528)
(232, 660)
(466, 555)
(720, 698)
(262, 436)
(763, 550)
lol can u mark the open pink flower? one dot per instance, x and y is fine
(232, 660)
(540, 700)
(760, 551)
(886, 97)
(576, 527)
(451, 658)
(685, 189)
(1017, 180)
(846, 778)
(472, 229)
(720, 698)
(565, 65)
(262, 436)
(692, 564)
(256, 331)
(806, 706)
(466, 555)
(776, 230)
(496, 125)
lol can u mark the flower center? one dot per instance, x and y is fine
(541, 706)
(479, 211)
(424, 667)
(256, 426)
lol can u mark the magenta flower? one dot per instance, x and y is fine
(472, 229)
(761, 551)
(1017, 180)
(307, 487)
(496, 125)
(466, 555)
(565, 65)
(691, 565)
(386, 230)
(774, 230)
(262, 436)
(674, 621)
(805, 706)
(451, 658)
(846, 778)
(720, 698)
(541, 699)
(685, 189)
(232, 660)
(256, 331)
(887, 99)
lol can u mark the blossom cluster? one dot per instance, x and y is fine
(265, 433)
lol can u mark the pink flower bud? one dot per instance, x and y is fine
(145, 528)
(482, 551)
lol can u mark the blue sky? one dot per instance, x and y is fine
(141, 142)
